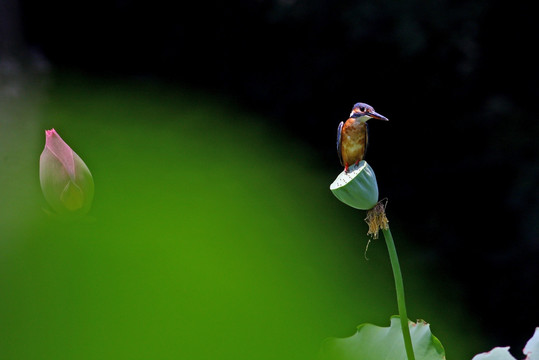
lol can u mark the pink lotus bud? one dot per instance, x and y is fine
(66, 181)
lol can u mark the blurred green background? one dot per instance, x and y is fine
(210, 130)
(212, 236)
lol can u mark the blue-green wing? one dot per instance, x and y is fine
(339, 141)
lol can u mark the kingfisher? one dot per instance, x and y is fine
(352, 134)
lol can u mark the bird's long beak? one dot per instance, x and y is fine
(375, 115)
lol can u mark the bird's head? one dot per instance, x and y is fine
(364, 112)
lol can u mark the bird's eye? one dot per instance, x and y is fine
(362, 108)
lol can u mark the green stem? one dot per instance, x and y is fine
(399, 286)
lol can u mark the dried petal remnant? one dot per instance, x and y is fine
(377, 219)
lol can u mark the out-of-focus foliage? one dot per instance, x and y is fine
(208, 239)
(458, 79)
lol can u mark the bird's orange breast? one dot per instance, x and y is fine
(353, 141)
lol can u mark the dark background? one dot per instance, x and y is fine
(458, 81)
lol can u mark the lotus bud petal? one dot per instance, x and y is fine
(357, 187)
(66, 181)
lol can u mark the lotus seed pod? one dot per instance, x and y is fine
(357, 187)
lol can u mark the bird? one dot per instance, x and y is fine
(352, 134)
